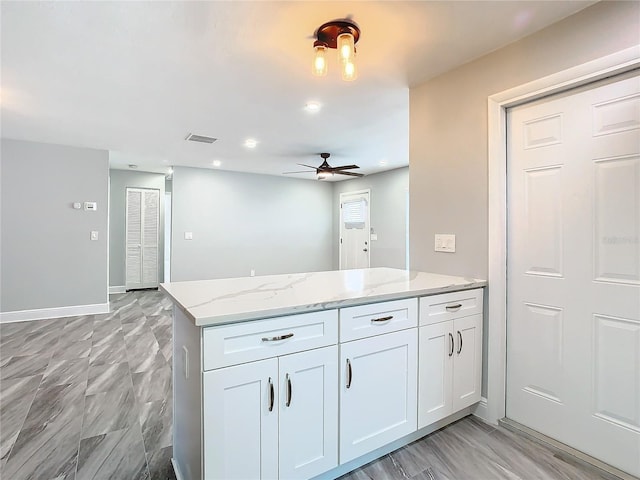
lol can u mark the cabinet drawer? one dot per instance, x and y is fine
(245, 342)
(446, 306)
(377, 318)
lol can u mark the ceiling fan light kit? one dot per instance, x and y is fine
(341, 35)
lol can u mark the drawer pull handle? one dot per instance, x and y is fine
(460, 344)
(450, 344)
(349, 373)
(279, 337)
(289, 392)
(454, 308)
(381, 319)
(272, 395)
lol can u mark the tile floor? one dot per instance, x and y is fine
(89, 397)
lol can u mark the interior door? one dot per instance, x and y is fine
(142, 230)
(573, 315)
(355, 233)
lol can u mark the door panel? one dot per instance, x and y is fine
(437, 347)
(573, 268)
(355, 244)
(308, 413)
(239, 431)
(467, 361)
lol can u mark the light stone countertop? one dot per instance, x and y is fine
(231, 300)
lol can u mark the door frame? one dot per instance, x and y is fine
(613, 64)
(366, 191)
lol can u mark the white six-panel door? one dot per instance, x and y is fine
(573, 328)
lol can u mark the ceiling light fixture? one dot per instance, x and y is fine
(343, 36)
(312, 107)
(250, 143)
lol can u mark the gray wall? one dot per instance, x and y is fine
(388, 211)
(47, 259)
(244, 221)
(119, 181)
(448, 131)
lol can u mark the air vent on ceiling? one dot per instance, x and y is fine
(200, 138)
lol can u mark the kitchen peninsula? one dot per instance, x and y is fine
(311, 375)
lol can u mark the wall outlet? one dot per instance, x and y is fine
(188, 235)
(252, 273)
(94, 235)
(445, 243)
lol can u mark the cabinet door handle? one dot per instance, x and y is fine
(279, 337)
(289, 391)
(460, 342)
(454, 308)
(272, 395)
(349, 373)
(450, 344)
(381, 319)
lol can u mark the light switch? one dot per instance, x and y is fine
(445, 243)
(94, 235)
(188, 235)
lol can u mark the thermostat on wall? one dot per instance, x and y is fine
(91, 206)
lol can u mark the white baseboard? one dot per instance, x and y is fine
(481, 410)
(56, 312)
(117, 289)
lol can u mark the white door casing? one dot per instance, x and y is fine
(355, 231)
(573, 315)
(142, 225)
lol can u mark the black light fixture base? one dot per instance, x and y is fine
(327, 33)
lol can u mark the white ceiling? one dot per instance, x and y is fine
(136, 77)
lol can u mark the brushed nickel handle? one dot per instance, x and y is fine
(279, 337)
(454, 308)
(450, 344)
(349, 373)
(289, 392)
(382, 319)
(272, 395)
(460, 344)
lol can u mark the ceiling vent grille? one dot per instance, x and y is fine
(200, 138)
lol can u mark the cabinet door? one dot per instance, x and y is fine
(467, 361)
(378, 386)
(308, 413)
(435, 372)
(240, 422)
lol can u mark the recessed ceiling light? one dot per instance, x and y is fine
(312, 107)
(382, 162)
(133, 165)
(250, 143)
(216, 163)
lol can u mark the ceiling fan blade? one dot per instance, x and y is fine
(303, 165)
(299, 171)
(351, 174)
(345, 167)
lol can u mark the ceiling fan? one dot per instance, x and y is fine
(325, 170)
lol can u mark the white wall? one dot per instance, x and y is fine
(119, 181)
(244, 221)
(47, 259)
(388, 212)
(448, 131)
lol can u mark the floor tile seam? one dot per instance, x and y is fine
(84, 404)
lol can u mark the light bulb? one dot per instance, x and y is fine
(346, 47)
(320, 60)
(349, 71)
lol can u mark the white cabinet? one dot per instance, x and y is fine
(450, 367)
(378, 382)
(274, 418)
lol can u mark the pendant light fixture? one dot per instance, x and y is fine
(341, 35)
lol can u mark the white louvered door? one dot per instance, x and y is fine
(573, 328)
(142, 229)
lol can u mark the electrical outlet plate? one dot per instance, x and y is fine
(445, 243)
